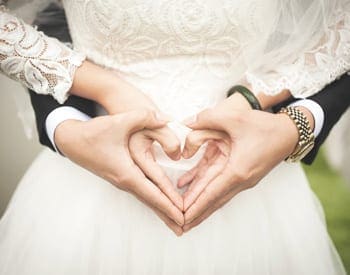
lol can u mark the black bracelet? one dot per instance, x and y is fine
(250, 97)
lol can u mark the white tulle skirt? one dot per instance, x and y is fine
(64, 220)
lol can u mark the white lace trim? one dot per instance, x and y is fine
(314, 69)
(41, 63)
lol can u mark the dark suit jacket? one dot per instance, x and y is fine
(52, 21)
(334, 99)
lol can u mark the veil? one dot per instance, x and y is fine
(298, 36)
(293, 27)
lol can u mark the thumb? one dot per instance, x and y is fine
(196, 139)
(140, 119)
(168, 140)
(207, 119)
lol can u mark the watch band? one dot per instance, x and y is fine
(244, 91)
(306, 136)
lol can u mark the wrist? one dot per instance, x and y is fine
(268, 101)
(289, 131)
(95, 83)
(238, 102)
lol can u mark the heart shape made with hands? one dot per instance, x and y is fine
(181, 162)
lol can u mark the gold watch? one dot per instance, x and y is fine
(306, 136)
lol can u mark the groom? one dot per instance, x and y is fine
(57, 123)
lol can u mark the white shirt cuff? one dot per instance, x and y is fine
(57, 116)
(316, 111)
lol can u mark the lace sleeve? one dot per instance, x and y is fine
(312, 70)
(42, 64)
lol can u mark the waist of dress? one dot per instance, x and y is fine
(181, 86)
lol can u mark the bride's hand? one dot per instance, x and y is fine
(101, 146)
(257, 142)
(140, 146)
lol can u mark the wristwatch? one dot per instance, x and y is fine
(306, 136)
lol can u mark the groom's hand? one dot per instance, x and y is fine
(256, 142)
(101, 146)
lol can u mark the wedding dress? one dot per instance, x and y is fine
(184, 55)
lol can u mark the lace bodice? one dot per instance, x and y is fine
(180, 52)
(188, 53)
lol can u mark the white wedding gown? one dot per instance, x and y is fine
(184, 55)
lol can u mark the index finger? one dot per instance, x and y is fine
(155, 173)
(217, 189)
(153, 196)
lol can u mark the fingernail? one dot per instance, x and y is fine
(189, 121)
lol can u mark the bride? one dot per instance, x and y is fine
(153, 65)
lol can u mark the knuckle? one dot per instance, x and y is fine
(149, 113)
(193, 139)
(251, 184)
(204, 114)
(119, 120)
(209, 197)
(140, 114)
(236, 116)
(142, 111)
(125, 180)
(173, 146)
(241, 174)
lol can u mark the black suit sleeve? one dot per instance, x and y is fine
(52, 21)
(334, 100)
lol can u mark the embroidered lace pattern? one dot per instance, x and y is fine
(41, 63)
(178, 42)
(314, 69)
(184, 42)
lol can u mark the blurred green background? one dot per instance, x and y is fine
(334, 194)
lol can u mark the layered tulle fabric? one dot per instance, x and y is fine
(64, 220)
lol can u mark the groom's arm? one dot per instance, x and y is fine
(333, 101)
(52, 21)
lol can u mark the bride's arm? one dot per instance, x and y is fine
(42, 64)
(47, 66)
